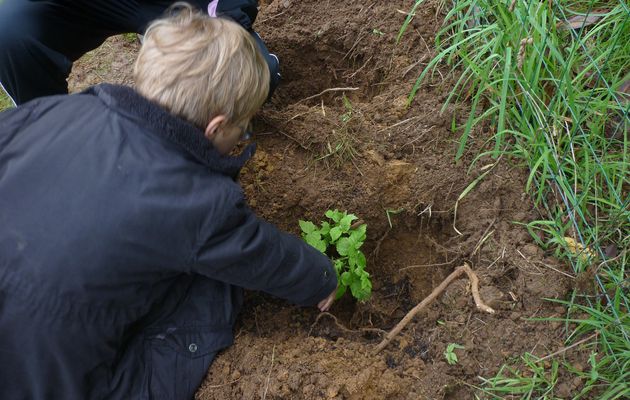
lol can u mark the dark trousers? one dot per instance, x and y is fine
(39, 40)
(169, 352)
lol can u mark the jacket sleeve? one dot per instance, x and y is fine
(242, 11)
(248, 252)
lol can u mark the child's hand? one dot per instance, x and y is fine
(325, 304)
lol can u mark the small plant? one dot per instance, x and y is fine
(378, 32)
(341, 147)
(340, 241)
(348, 106)
(449, 353)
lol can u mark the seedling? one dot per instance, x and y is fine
(378, 32)
(348, 106)
(449, 353)
(341, 145)
(341, 242)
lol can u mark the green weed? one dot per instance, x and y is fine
(341, 147)
(449, 353)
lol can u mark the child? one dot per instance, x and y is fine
(124, 239)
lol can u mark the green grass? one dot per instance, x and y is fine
(5, 101)
(546, 79)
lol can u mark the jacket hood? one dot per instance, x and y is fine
(191, 139)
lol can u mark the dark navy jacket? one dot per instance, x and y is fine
(123, 239)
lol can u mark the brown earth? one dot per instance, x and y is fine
(394, 167)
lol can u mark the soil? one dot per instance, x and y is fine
(393, 166)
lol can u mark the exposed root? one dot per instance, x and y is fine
(340, 326)
(338, 89)
(474, 281)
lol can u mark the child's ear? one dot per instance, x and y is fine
(214, 126)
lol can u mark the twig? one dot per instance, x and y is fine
(273, 353)
(357, 224)
(564, 349)
(338, 89)
(377, 248)
(357, 71)
(295, 140)
(398, 123)
(272, 17)
(474, 281)
(484, 237)
(425, 265)
(340, 326)
(356, 42)
(221, 385)
(327, 314)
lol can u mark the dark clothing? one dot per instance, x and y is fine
(39, 40)
(124, 240)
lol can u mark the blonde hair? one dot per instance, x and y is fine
(200, 67)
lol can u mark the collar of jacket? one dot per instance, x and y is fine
(191, 139)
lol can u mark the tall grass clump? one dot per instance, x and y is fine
(550, 81)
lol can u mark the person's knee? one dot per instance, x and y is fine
(16, 24)
(272, 61)
(274, 70)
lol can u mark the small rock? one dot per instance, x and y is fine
(491, 296)
(308, 389)
(560, 310)
(332, 391)
(563, 390)
(282, 375)
(532, 250)
(236, 375)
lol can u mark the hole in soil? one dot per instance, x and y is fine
(311, 69)
(406, 264)
(412, 259)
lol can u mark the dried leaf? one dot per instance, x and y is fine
(611, 251)
(579, 21)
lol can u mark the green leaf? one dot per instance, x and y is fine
(335, 215)
(315, 240)
(335, 233)
(361, 287)
(339, 264)
(347, 278)
(357, 238)
(341, 290)
(346, 221)
(325, 228)
(353, 255)
(307, 226)
(321, 246)
(343, 246)
(361, 261)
